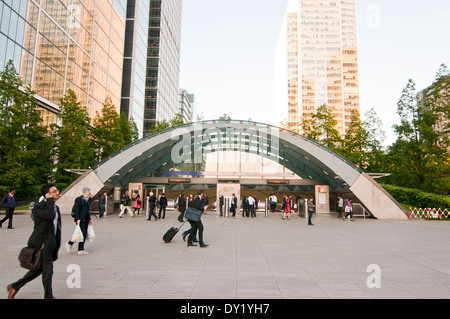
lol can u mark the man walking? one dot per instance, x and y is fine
(152, 205)
(198, 204)
(47, 224)
(102, 204)
(82, 217)
(162, 206)
(9, 202)
(126, 205)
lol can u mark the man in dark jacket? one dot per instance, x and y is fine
(152, 205)
(197, 203)
(162, 206)
(9, 202)
(47, 224)
(181, 207)
(82, 217)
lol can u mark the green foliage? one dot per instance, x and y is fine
(355, 141)
(420, 156)
(24, 146)
(322, 128)
(164, 124)
(417, 198)
(108, 132)
(74, 142)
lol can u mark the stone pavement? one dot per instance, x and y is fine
(247, 258)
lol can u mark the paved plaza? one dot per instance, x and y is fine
(259, 258)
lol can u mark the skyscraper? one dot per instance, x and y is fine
(135, 62)
(318, 60)
(163, 62)
(62, 45)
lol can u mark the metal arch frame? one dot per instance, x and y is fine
(299, 154)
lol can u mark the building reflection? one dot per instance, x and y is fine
(59, 45)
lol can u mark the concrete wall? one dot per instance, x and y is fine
(377, 200)
(88, 179)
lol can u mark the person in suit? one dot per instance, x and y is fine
(197, 203)
(152, 205)
(162, 206)
(181, 207)
(82, 217)
(221, 203)
(233, 204)
(47, 222)
(10, 203)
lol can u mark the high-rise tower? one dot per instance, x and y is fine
(318, 57)
(163, 62)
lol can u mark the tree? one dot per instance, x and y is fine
(109, 137)
(355, 141)
(375, 139)
(24, 145)
(225, 117)
(407, 154)
(74, 141)
(164, 124)
(322, 128)
(434, 126)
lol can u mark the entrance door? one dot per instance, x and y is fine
(227, 190)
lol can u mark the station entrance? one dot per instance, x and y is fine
(215, 155)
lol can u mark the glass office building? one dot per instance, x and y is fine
(135, 61)
(57, 45)
(319, 60)
(163, 62)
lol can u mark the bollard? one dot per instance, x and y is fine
(227, 208)
(267, 209)
(147, 206)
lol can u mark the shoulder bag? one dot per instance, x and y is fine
(31, 258)
(193, 214)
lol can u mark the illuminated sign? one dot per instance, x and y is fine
(278, 182)
(179, 181)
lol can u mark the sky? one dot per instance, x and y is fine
(228, 54)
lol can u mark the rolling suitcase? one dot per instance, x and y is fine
(168, 236)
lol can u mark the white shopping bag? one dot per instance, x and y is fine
(90, 233)
(77, 235)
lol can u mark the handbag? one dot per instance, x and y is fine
(31, 258)
(193, 214)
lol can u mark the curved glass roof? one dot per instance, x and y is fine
(184, 148)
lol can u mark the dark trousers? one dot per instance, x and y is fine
(83, 227)
(46, 271)
(9, 215)
(221, 210)
(233, 210)
(251, 210)
(152, 213)
(181, 216)
(310, 213)
(272, 207)
(102, 210)
(162, 209)
(340, 212)
(194, 227)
